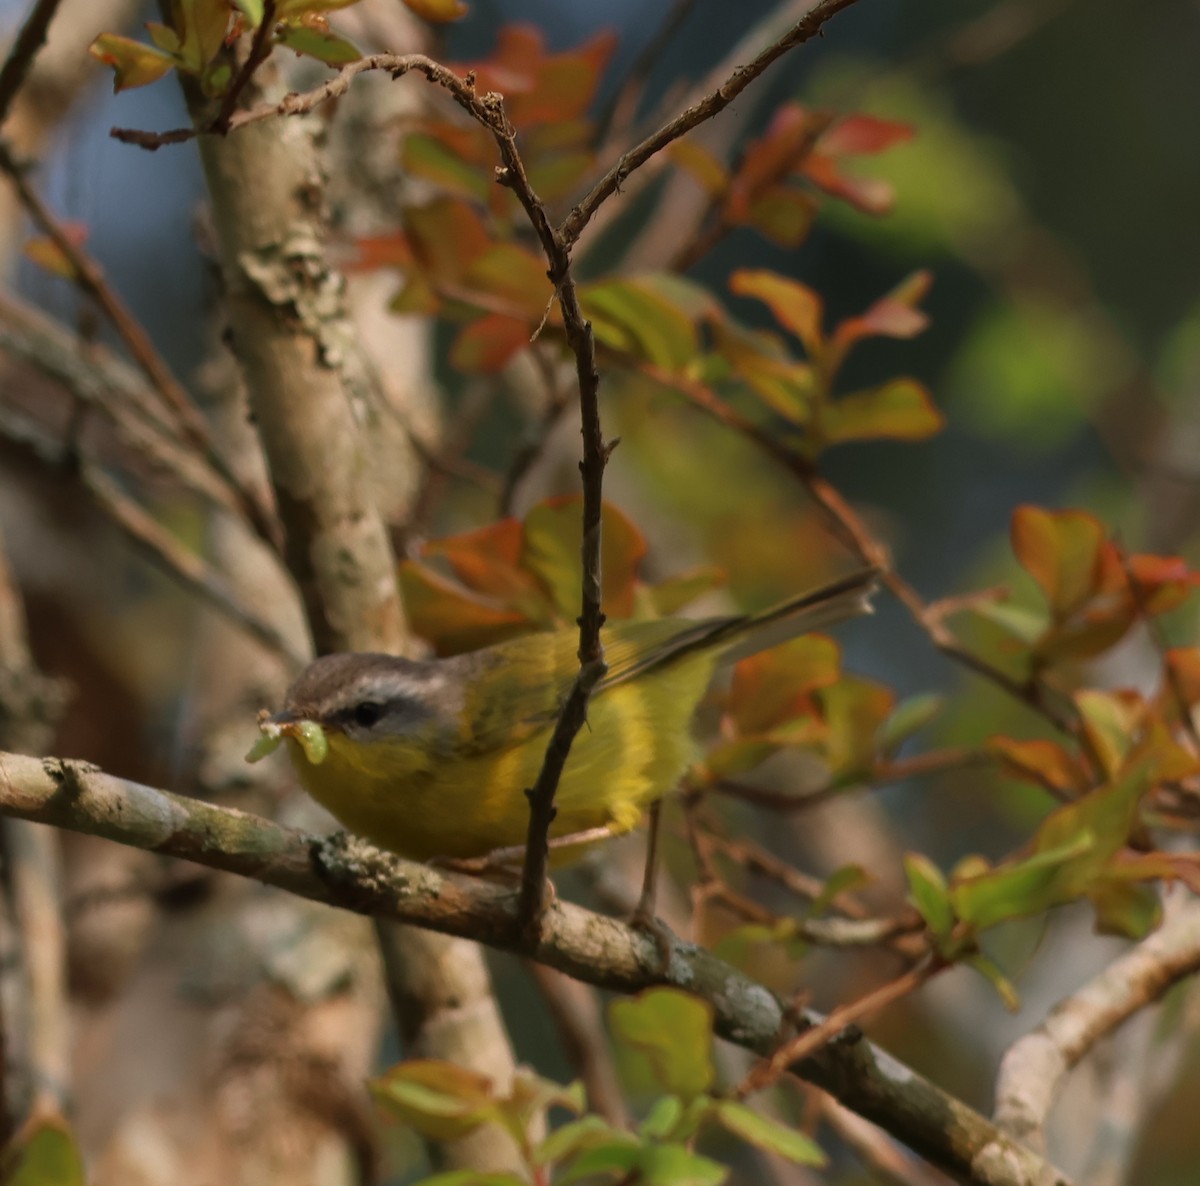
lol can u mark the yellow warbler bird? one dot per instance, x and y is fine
(432, 759)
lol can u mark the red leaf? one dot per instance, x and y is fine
(868, 194)
(489, 344)
(858, 134)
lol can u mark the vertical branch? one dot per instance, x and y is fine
(30, 38)
(30, 705)
(489, 110)
(301, 362)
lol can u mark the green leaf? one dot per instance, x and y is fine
(1001, 983)
(509, 273)
(429, 157)
(44, 1153)
(439, 1100)
(677, 1165)
(1018, 889)
(674, 1032)
(325, 46)
(662, 1118)
(551, 551)
(618, 1156)
(767, 1134)
(578, 1136)
(708, 172)
(928, 892)
(641, 318)
(908, 717)
(841, 881)
(783, 215)
(901, 410)
(1126, 908)
(252, 10)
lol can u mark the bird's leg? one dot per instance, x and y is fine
(643, 917)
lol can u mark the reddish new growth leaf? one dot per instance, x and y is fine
(511, 577)
(853, 136)
(540, 87)
(1094, 595)
(901, 409)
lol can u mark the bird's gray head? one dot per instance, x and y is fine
(368, 695)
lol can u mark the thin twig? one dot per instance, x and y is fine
(90, 278)
(803, 30)
(182, 564)
(620, 111)
(350, 873)
(806, 1044)
(260, 51)
(850, 530)
(882, 774)
(30, 38)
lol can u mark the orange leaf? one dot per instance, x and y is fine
(768, 160)
(551, 551)
(892, 316)
(446, 237)
(794, 305)
(489, 344)
(516, 276)
(453, 619)
(858, 134)
(1043, 762)
(900, 410)
(1184, 663)
(868, 194)
(438, 12)
(775, 686)
(1061, 550)
(708, 172)
(47, 254)
(134, 63)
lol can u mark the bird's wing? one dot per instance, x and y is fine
(518, 687)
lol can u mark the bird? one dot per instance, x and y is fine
(431, 759)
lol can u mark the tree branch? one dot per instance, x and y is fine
(29, 40)
(715, 101)
(1035, 1066)
(346, 872)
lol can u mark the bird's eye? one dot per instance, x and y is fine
(367, 713)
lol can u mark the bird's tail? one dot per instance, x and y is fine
(847, 597)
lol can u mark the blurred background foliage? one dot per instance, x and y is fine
(1051, 187)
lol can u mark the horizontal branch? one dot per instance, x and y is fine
(346, 872)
